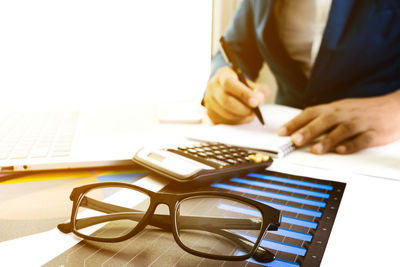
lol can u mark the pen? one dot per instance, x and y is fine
(235, 66)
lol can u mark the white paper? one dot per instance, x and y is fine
(382, 161)
(254, 134)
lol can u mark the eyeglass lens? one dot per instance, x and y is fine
(103, 214)
(218, 226)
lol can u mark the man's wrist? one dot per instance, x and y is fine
(397, 93)
(394, 98)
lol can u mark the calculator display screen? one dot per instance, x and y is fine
(156, 157)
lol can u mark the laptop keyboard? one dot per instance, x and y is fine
(37, 134)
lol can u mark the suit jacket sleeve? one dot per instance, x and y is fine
(241, 37)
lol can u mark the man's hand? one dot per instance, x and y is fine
(350, 124)
(229, 101)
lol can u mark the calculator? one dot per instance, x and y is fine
(201, 161)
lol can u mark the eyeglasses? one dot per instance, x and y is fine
(214, 225)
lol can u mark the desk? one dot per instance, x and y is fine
(365, 232)
(37, 202)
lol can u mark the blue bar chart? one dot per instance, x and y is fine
(308, 207)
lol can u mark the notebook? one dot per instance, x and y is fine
(253, 135)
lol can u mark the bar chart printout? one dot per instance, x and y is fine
(308, 207)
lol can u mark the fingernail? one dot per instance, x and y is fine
(253, 102)
(297, 138)
(341, 149)
(318, 148)
(282, 131)
(260, 96)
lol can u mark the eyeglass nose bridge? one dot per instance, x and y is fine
(169, 200)
(159, 219)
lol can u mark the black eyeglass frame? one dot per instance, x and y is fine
(270, 216)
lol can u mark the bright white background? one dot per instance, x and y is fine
(88, 52)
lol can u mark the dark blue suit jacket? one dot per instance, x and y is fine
(359, 54)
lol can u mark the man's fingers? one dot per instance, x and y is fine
(339, 134)
(216, 118)
(226, 106)
(364, 140)
(230, 101)
(299, 121)
(230, 104)
(260, 87)
(240, 91)
(225, 116)
(315, 128)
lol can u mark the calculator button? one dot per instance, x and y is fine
(202, 154)
(220, 157)
(219, 162)
(248, 159)
(258, 157)
(197, 146)
(208, 161)
(240, 160)
(231, 161)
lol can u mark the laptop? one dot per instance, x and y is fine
(34, 139)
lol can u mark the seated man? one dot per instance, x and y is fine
(339, 60)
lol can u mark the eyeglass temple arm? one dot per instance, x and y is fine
(261, 254)
(161, 221)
